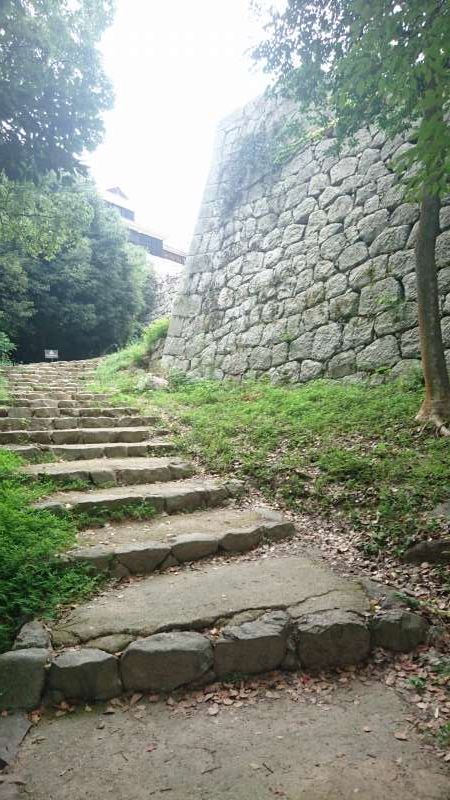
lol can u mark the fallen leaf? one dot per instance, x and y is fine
(135, 699)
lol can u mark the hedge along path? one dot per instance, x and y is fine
(167, 629)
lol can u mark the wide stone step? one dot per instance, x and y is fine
(21, 397)
(48, 420)
(75, 436)
(102, 411)
(214, 622)
(169, 497)
(124, 471)
(75, 452)
(141, 547)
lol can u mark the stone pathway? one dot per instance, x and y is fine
(171, 622)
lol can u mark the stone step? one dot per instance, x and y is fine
(75, 452)
(75, 436)
(114, 471)
(18, 398)
(141, 547)
(170, 630)
(45, 402)
(102, 411)
(48, 421)
(170, 497)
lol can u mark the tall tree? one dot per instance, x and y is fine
(383, 62)
(52, 85)
(89, 298)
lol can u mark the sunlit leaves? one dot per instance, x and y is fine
(384, 62)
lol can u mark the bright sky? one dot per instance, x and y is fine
(178, 67)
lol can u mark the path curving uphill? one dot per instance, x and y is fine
(166, 628)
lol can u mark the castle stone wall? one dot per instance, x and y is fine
(311, 271)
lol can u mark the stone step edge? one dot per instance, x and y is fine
(105, 449)
(184, 498)
(165, 661)
(72, 422)
(100, 477)
(143, 558)
(125, 435)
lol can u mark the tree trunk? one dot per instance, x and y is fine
(436, 405)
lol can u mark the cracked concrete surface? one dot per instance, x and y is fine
(194, 599)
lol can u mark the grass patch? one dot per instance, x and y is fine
(127, 511)
(135, 353)
(33, 580)
(336, 449)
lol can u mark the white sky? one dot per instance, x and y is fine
(178, 67)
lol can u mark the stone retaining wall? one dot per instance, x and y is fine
(308, 269)
(167, 287)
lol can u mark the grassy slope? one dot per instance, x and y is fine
(350, 450)
(32, 579)
(325, 447)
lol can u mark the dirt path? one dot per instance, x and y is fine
(277, 748)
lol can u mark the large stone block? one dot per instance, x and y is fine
(344, 307)
(399, 630)
(87, 674)
(190, 547)
(252, 647)
(443, 250)
(22, 678)
(352, 256)
(32, 634)
(332, 639)
(342, 364)
(344, 168)
(341, 207)
(390, 240)
(310, 370)
(378, 296)
(166, 660)
(382, 352)
(301, 347)
(327, 341)
(372, 225)
(141, 558)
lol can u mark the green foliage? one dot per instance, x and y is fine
(352, 63)
(33, 580)
(90, 291)
(370, 466)
(135, 353)
(39, 219)
(89, 519)
(52, 86)
(419, 684)
(443, 735)
(6, 347)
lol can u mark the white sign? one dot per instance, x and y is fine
(51, 354)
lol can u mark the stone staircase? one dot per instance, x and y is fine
(171, 622)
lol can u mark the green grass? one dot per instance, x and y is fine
(33, 580)
(134, 354)
(443, 735)
(346, 450)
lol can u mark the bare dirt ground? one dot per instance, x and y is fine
(355, 740)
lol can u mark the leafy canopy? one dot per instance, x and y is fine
(87, 298)
(52, 85)
(383, 62)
